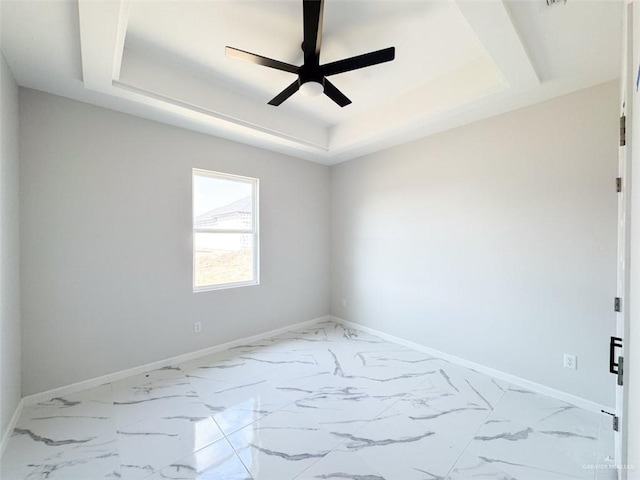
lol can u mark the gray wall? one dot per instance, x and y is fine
(106, 241)
(10, 375)
(495, 242)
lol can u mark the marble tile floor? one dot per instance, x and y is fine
(326, 402)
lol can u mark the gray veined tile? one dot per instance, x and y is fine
(211, 365)
(546, 413)
(234, 407)
(148, 446)
(343, 333)
(94, 402)
(206, 386)
(306, 371)
(382, 385)
(147, 381)
(475, 387)
(33, 456)
(282, 444)
(339, 465)
(264, 344)
(341, 409)
(300, 386)
(64, 437)
(72, 416)
(471, 467)
(336, 358)
(322, 402)
(143, 398)
(555, 451)
(386, 384)
(280, 358)
(405, 360)
(271, 344)
(217, 461)
(233, 366)
(447, 413)
(390, 371)
(402, 449)
(330, 332)
(382, 375)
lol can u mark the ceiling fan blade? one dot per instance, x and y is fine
(361, 61)
(334, 94)
(286, 93)
(312, 11)
(259, 60)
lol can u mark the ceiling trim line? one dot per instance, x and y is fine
(497, 35)
(99, 23)
(123, 23)
(224, 119)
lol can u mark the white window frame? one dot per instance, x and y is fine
(254, 230)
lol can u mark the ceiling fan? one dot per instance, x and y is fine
(312, 79)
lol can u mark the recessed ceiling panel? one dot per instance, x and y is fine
(431, 40)
(456, 61)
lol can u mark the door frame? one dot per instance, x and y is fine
(624, 233)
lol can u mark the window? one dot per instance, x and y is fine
(225, 231)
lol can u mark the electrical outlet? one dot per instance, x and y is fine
(197, 327)
(570, 361)
(344, 302)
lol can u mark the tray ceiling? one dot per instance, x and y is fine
(456, 62)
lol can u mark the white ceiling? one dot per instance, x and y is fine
(194, 36)
(456, 62)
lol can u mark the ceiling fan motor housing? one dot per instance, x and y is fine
(306, 75)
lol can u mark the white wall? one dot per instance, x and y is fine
(10, 375)
(106, 241)
(494, 242)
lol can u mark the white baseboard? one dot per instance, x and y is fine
(507, 377)
(112, 377)
(12, 424)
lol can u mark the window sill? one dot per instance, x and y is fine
(225, 286)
